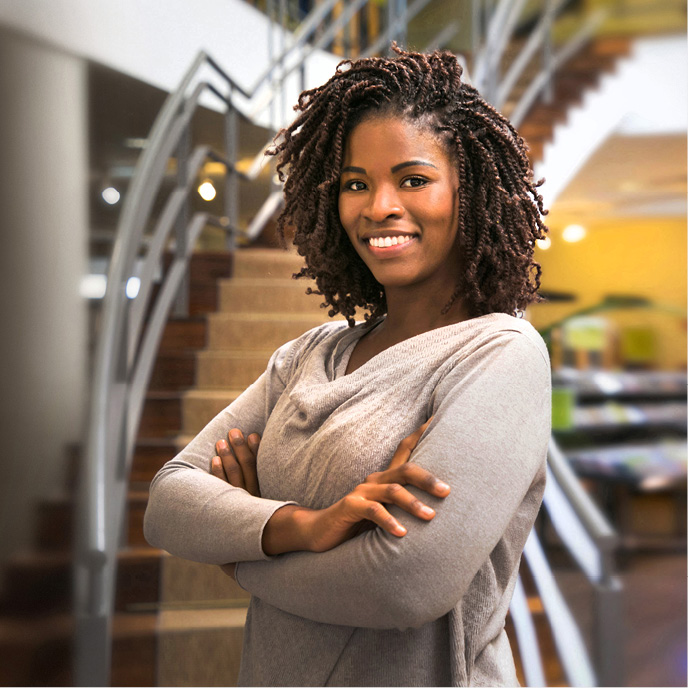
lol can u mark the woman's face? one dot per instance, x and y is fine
(399, 204)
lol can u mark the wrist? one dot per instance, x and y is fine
(287, 530)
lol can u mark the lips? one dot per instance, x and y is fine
(389, 243)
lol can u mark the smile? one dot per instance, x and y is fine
(384, 242)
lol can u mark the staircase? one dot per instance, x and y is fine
(580, 74)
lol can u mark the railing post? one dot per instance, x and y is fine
(608, 635)
(547, 52)
(391, 17)
(402, 34)
(181, 304)
(231, 178)
(476, 29)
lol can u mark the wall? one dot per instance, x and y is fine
(642, 257)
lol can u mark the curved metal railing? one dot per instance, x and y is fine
(132, 323)
(591, 542)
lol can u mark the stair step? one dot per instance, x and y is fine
(268, 263)
(187, 583)
(205, 268)
(138, 577)
(174, 370)
(150, 454)
(41, 582)
(162, 414)
(243, 330)
(200, 405)
(55, 521)
(267, 296)
(38, 651)
(184, 333)
(188, 644)
(231, 369)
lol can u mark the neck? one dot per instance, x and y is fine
(408, 317)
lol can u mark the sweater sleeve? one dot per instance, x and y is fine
(193, 514)
(488, 441)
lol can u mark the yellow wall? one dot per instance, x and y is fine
(635, 257)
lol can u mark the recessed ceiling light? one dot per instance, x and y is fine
(207, 191)
(110, 195)
(573, 233)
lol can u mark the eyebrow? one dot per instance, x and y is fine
(396, 168)
(412, 163)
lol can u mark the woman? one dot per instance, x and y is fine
(373, 559)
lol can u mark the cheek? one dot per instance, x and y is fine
(346, 216)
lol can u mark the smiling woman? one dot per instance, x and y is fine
(374, 489)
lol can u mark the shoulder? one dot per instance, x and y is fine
(502, 336)
(496, 353)
(290, 355)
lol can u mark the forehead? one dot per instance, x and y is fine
(394, 139)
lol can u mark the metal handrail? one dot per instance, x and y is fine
(541, 81)
(534, 42)
(393, 30)
(122, 370)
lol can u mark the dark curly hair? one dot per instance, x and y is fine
(500, 210)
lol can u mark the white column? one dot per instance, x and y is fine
(44, 230)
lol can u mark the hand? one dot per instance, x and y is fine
(292, 528)
(235, 462)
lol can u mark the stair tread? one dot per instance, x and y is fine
(236, 353)
(205, 393)
(201, 619)
(281, 282)
(269, 316)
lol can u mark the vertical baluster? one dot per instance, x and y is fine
(547, 52)
(231, 178)
(181, 304)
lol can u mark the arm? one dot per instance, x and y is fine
(194, 515)
(488, 440)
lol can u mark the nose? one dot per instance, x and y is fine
(383, 203)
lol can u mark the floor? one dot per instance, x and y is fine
(654, 621)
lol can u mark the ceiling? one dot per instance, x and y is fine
(627, 177)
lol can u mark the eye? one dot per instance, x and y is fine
(414, 182)
(354, 185)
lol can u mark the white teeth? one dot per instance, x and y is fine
(383, 242)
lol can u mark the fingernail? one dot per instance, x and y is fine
(442, 486)
(427, 511)
(222, 445)
(252, 439)
(236, 437)
(400, 529)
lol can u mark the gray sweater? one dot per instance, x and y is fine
(425, 609)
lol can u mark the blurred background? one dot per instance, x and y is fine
(143, 290)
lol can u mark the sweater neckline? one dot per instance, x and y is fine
(346, 345)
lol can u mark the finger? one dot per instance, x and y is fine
(407, 445)
(413, 474)
(230, 464)
(247, 460)
(360, 509)
(394, 493)
(216, 468)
